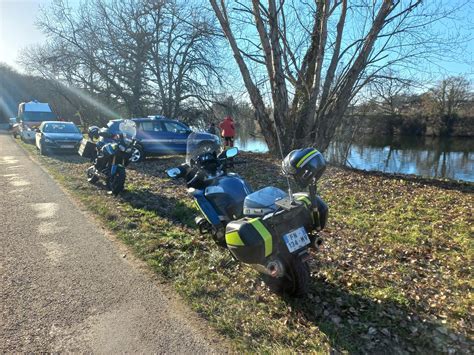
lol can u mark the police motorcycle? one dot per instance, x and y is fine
(269, 229)
(110, 155)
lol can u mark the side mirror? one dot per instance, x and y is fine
(231, 152)
(37, 130)
(173, 172)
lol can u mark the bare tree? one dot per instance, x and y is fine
(99, 50)
(449, 95)
(302, 63)
(183, 58)
(390, 90)
(139, 56)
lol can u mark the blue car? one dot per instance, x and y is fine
(160, 136)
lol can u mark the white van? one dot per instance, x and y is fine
(30, 116)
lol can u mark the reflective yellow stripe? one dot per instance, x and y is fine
(233, 238)
(302, 160)
(308, 204)
(200, 209)
(267, 237)
(305, 200)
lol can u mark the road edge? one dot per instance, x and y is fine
(200, 324)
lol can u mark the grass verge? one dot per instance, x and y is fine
(396, 271)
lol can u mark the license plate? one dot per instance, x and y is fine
(296, 239)
(66, 146)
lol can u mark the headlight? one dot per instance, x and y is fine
(47, 140)
(122, 148)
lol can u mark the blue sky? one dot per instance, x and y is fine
(18, 30)
(17, 27)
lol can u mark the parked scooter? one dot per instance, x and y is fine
(269, 229)
(110, 155)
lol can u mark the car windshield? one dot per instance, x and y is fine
(34, 116)
(60, 128)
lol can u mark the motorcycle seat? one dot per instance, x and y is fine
(262, 202)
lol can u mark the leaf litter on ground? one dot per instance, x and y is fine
(395, 271)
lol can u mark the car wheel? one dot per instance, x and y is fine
(137, 154)
(42, 149)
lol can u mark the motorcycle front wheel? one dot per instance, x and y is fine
(117, 182)
(91, 176)
(294, 282)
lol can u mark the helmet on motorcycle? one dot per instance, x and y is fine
(104, 133)
(93, 132)
(304, 165)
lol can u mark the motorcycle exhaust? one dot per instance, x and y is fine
(318, 243)
(273, 268)
(204, 227)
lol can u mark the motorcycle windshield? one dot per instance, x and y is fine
(197, 145)
(128, 128)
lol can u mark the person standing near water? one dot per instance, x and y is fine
(228, 131)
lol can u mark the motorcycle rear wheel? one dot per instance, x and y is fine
(294, 282)
(117, 182)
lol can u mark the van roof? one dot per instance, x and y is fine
(36, 106)
(61, 122)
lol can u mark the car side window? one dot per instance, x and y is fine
(157, 127)
(175, 127)
(147, 126)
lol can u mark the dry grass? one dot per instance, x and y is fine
(396, 271)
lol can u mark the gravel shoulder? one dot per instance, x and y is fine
(66, 285)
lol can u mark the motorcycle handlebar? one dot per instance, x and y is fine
(194, 179)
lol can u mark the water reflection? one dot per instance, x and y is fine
(451, 158)
(252, 144)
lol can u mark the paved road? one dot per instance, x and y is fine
(64, 284)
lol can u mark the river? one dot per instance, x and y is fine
(451, 158)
